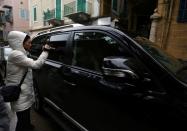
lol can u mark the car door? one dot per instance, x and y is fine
(50, 78)
(35, 52)
(95, 102)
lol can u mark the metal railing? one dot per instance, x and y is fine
(72, 8)
(49, 14)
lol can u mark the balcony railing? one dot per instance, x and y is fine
(72, 8)
(49, 14)
(51, 18)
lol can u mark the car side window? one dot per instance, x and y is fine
(90, 48)
(59, 42)
(37, 44)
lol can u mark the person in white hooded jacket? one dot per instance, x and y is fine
(17, 64)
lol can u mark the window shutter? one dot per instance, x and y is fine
(35, 15)
(81, 6)
(58, 9)
(182, 16)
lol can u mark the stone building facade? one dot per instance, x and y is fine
(51, 13)
(14, 15)
(171, 30)
(162, 21)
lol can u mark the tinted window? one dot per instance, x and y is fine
(59, 42)
(89, 49)
(37, 44)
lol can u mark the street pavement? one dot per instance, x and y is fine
(42, 122)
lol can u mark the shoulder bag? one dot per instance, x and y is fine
(11, 93)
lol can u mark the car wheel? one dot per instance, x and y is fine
(38, 101)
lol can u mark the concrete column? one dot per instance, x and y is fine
(155, 18)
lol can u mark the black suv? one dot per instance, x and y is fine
(94, 72)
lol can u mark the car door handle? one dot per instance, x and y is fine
(69, 83)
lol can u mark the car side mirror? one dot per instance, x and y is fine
(118, 69)
(121, 73)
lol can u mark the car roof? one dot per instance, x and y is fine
(76, 28)
(89, 27)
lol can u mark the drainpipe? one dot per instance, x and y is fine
(155, 18)
(168, 16)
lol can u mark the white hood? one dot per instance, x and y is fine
(15, 40)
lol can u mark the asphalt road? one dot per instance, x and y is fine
(45, 123)
(42, 122)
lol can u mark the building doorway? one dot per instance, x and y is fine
(139, 12)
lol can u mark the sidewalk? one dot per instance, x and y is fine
(43, 122)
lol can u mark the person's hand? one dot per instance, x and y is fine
(47, 47)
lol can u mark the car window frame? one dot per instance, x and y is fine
(37, 37)
(66, 48)
(123, 44)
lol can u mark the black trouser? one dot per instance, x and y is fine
(24, 120)
(4, 119)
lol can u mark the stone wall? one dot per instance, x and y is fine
(172, 35)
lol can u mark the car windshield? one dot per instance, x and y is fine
(171, 63)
